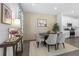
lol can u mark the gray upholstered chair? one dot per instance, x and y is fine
(61, 39)
(39, 39)
(51, 41)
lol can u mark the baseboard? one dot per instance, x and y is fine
(29, 40)
(73, 37)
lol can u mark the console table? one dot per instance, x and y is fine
(13, 42)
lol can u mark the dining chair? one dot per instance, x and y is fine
(51, 41)
(39, 39)
(61, 39)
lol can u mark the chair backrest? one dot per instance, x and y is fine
(39, 38)
(52, 39)
(61, 38)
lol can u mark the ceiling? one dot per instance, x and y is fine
(71, 9)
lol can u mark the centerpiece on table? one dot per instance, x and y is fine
(55, 28)
(13, 32)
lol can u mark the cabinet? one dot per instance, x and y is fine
(76, 33)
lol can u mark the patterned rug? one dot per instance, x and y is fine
(43, 51)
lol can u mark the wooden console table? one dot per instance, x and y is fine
(12, 42)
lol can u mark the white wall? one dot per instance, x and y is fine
(59, 21)
(4, 27)
(3, 35)
(0, 12)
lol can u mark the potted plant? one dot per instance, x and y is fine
(55, 28)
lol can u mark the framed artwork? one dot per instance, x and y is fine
(6, 14)
(42, 22)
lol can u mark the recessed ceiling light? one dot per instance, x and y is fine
(72, 11)
(55, 8)
(33, 4)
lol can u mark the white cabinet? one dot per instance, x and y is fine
(67, 34)
(76, 33)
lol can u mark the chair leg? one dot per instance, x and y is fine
(43, 43)
(63, 45)
(55, 46)
(48, 48)
(37, 44)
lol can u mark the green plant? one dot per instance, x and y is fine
(55, 28)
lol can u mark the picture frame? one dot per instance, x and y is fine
(6, 14)
(41, 22)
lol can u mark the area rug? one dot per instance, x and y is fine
(43, 51)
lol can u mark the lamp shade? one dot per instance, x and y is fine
(16, 23)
